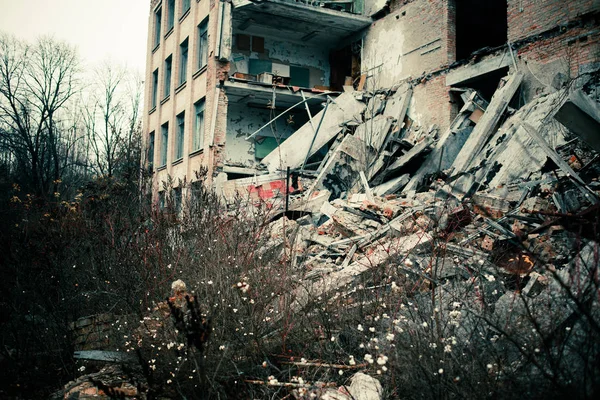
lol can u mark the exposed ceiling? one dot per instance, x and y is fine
(296, 22)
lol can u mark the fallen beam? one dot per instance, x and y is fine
(487, 124)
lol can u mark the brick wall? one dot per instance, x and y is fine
(531, 17)
(408, 42)
(431, 103)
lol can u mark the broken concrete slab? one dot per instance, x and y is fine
(342, 171)
(397, 105)
(482, 67)
(488, 122)
(581, 115)
(374, 131)
(448, 146)
(293, 151)
(375, 106)
(391, 186)
(410, 154)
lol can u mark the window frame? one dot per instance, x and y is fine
(199, 131)
(157, 26)
(155, 79)
(180, 136)
(150, 149)
(170, 16)
(168, 76)
(202, 47)
(164, 144)
(186, 5)
(183, 60)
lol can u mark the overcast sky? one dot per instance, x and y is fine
(101, 29)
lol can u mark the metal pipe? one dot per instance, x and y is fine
(316, 132)
(285, 112)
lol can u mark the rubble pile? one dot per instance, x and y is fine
(500, 212)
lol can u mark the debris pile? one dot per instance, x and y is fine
(506, 201)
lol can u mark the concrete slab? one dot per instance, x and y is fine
(581, 115)
(462, 75)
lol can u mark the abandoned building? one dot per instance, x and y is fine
(228, 82)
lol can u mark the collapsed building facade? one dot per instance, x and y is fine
(229, 82)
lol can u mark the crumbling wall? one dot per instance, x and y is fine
(431, 95)
(410, 41)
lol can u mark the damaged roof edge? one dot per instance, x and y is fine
(299, 10)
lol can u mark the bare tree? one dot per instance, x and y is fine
(36, 82)
(112, 118)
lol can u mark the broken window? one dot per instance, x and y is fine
(479, 24)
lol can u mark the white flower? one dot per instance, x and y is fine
(381, 360)
(490, 366)
(333, 338)
(82, 368)
(221, 347)
(369, 358)
(441, 371)
(424, 324)
(372, 329)
(352, 361)
(169, 381)
(340, 372)
(490, 278)
(303, 360)
(360, 327)
(210, 282)
(235, 310)
(447, 349)
(390, 337)
(408, 262)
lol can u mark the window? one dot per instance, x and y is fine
(185, 6)
(180, 136)
(176, 199)
(168, 68)
(170, 15)
(203, 44)
(154, 87)
(183, 59)
(161, 200)
(151, 150)
(164, 144)
(198, 142)
(157, 24)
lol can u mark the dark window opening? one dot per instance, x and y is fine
(486, 84)
(345, 66)
(480, 24)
